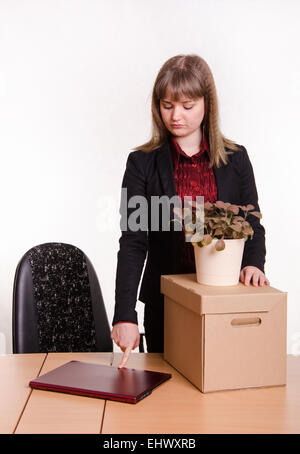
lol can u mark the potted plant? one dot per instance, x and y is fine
(218, 233)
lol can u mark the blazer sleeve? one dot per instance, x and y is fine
(133, 245)
(255, 249)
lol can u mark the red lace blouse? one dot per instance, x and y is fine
(192, 177)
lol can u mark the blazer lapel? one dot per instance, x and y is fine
(219, 178)
(166, 171)
(225, 183)
(167, 180)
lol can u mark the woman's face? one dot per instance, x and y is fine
(184, 117)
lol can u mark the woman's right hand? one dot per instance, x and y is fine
(126, 335)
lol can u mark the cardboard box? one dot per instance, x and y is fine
(225, 337)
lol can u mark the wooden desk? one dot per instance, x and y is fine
(57, 413)
(15, 373)
(175, 407)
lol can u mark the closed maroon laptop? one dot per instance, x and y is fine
(97, 380)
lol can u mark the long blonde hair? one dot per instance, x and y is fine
(191, 76)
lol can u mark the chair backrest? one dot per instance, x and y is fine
(57, 302)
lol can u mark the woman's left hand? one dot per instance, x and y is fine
(254, 273)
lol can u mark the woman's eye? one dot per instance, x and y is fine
(170, 107)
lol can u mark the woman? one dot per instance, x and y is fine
(186, 156)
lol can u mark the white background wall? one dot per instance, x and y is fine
(75, 92)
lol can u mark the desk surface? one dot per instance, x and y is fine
(175, 407)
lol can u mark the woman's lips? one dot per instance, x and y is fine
(177, 126)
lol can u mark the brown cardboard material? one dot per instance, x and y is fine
(229, 337)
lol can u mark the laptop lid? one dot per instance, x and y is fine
(97, 380)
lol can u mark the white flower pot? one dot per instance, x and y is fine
(219, 267)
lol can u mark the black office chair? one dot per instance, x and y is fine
(57, 303)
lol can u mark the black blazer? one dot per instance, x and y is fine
(151, 173)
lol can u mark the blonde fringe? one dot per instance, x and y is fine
(219, 146)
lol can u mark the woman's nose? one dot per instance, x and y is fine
(176, 113)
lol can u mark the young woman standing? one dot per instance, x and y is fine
(187, 155)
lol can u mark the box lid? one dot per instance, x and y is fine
(206, 299)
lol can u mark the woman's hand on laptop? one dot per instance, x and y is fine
(126, 335)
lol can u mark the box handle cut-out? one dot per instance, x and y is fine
(254, 321)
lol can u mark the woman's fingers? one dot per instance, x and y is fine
(126, 335)
(242, 275)
(254, 273)
(125, 356)
(248, 276)
(255, 278)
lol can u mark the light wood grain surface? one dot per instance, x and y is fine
(50, 412)
(15, 373)
(175, 407)
(179, 407)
